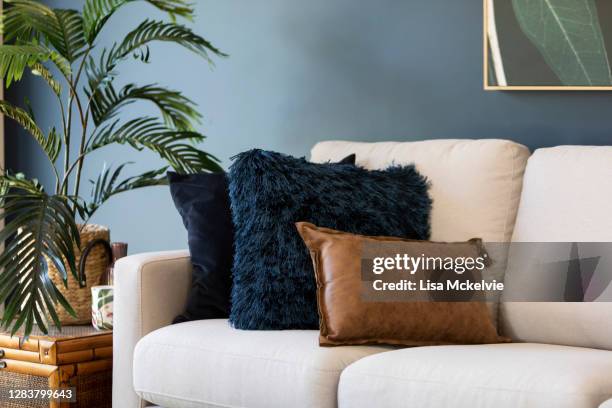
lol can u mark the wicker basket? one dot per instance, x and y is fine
(97, 260)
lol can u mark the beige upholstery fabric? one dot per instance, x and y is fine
(501, 376)
(207, 363)
(476, 184)
(150, 289)
(567, 197)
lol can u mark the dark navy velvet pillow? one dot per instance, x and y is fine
(273, 280)
(203, 203)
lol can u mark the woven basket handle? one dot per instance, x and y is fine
(82, 278)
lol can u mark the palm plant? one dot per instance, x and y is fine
(58, 46)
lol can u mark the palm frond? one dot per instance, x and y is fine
(171, 145)
(97, 12)
(17, 181)
(51, 144)
(95, 15)
(177, 110)
(148, 31)
(40, 229)
(14, 59)
(149, 178)
(100, 72)
(25, 20)
(174, 8)
(30, 20)
(106, 186)
(40, 70)
(69, 38)
(137, 42)
(61, 63)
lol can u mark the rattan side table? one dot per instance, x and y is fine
(78, 357)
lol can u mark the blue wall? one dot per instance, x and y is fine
(305, 71)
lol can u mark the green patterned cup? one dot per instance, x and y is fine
(102, 307)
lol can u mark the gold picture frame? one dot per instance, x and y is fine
(486, 31)
(1, 116)
(2, 155)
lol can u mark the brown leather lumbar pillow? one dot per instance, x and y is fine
(347, 317)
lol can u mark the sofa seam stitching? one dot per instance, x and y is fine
(416, 380)
(331, 371)
(510, 193)
(188, 399)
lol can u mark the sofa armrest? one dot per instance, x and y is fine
(150, 290)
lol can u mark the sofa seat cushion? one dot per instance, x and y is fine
(207, 363)
(481, 376)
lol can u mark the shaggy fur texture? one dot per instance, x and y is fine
(273, 280)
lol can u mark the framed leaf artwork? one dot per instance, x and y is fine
(547, 44)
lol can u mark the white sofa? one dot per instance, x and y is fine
(491, 189)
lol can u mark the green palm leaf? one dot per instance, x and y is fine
(174, 8)
(51, 144)
(97, 12)
(95, 15)
(149, 31)
(171, 145)
(69, 39)
(136, 43)
(14, 59)
(40, 70)
(27, 19)
(177, 110)
(106, 185)
(61, 63)
(17, 181)
(41, 229)
(100, 72)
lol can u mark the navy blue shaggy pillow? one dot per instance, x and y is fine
(273, 280)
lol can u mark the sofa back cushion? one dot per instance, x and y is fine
(567, 197)
(475, 184)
